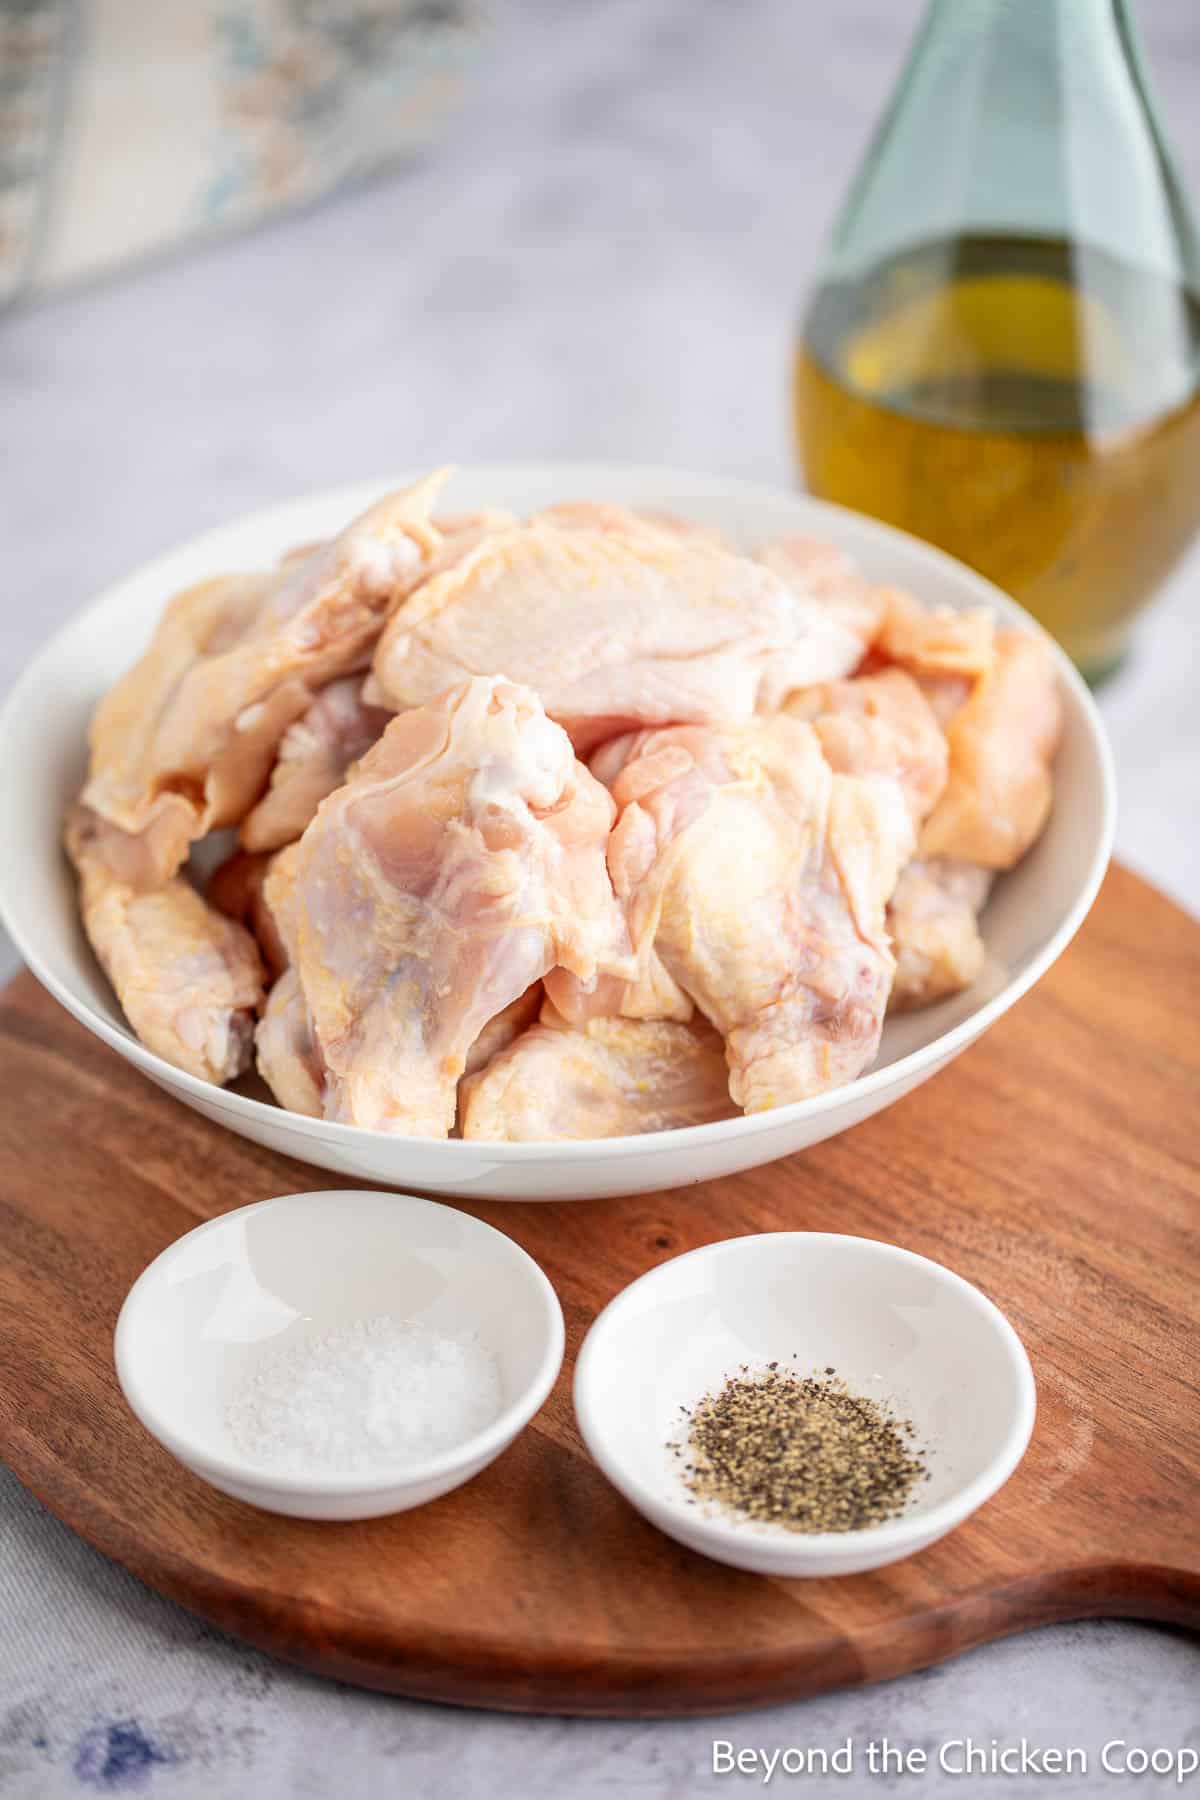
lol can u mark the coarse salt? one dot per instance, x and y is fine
(364, 1396)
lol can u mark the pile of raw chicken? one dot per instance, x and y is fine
(560, 828)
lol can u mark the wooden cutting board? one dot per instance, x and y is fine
(1057, 1164)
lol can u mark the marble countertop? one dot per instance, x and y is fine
(604, 259)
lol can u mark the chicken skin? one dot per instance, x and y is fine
(1002, 742)
(603, 515)
(185, 741)
(462, 861)
(189, 979)
(758, 878)
(286, 1052)
(613, 629)
(235, 888)
(934, 641)
(504, 1029)
(880, 725)
(289, 1060)
(933, 918)
(316, 751)
(313, 756)
(996, 696)
(612, 1078)
(293, 1068)
(826, 575)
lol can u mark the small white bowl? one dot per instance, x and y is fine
(300, 1265)
(893, 1325)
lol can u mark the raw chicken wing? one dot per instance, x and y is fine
(758, 877)
(1002, 742)
(288, 1058)
(933, 920)
(880, 725)
(612, 629)
(186, 739)
(314, 754)
(612, 1078)
(235, 888)
(934, 640)
(504, 1029)
(189, 979)
(462, 861)
(821, 572)
(603, 515)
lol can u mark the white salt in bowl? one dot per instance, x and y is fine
(893, 1325)
(266, 1277)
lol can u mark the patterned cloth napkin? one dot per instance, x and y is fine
(130, 126)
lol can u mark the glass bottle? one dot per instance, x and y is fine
(1002, 354)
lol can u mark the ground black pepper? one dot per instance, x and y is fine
(801, 1451)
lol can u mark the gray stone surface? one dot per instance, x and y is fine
(605, 259)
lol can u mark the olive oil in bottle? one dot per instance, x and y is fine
(1003, 351)
(1030, 405)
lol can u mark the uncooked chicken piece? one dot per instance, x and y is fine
(677, 525)
(613, 1078)
(314, 754)
(186, 739)
(604, 515)
(463, 860)
(235, 888)
(651, 994)
(934, 641)
(880, 725)
(612, 630)
(995, 695)
(821, 572)
(280, 898)
(188, 979)
(463, 532)
(933, 920)
(131, 860)
(461, 528)
(759, 878)
(504, 1029)
(1002, 742)
(288, 1058)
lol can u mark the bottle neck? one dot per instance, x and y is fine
(1025, 117)
(1030, 55)
(1033, 19)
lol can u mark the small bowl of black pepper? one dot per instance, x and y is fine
(804, 1403)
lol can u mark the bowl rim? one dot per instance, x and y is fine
(721, 1131)
(484, 1444)
(892, 1539)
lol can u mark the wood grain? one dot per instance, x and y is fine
(1056, 1164)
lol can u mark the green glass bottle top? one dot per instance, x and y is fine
(1003, 352)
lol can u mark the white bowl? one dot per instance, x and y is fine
(1033, 916)
(893, 1325)
(300, 1265)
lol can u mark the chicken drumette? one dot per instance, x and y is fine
(189, 979)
